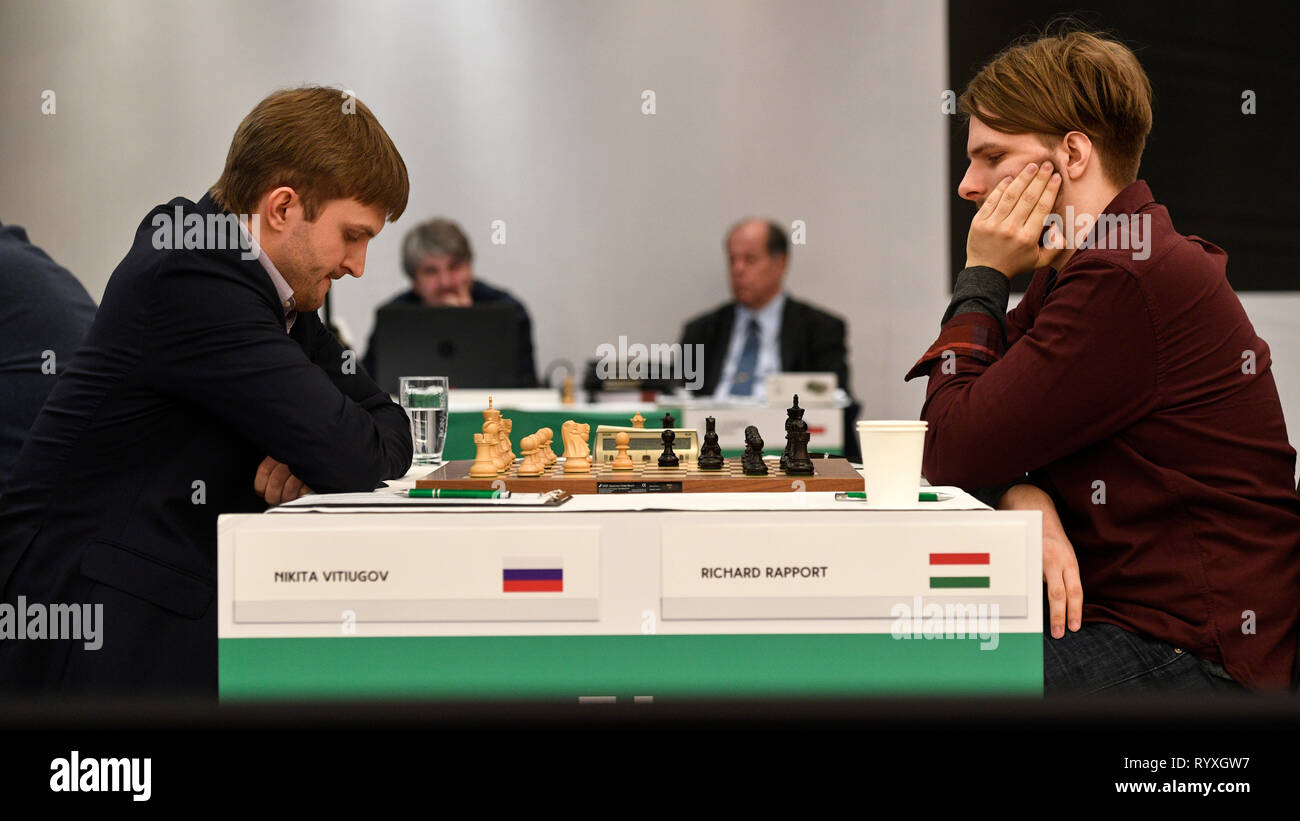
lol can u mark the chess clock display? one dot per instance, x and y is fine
(645, 444)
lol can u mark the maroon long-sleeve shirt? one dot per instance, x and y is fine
(1137, 394)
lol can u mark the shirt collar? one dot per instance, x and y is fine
(282, 288)
(1132, 199)
(768, 317)
(1135, 196)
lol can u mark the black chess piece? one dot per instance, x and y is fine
(668, 421)
(710, 452)
(668, 459)
(751, 463)
(799, 464)
(793, 416)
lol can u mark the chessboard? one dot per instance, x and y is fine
(833, 474)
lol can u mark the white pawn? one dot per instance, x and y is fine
(547, 453)
(539, 443)
(531, 465)
(623, 461)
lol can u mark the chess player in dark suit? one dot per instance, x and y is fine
(206, 385)
(764, 330)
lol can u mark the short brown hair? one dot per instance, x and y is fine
(1073, 81)
(437, 237)
(321, 142)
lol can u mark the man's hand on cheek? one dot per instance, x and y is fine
(274, 483)
(1005, 231)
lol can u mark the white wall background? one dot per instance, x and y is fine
(530, 112)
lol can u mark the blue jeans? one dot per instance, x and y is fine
(1102, 658)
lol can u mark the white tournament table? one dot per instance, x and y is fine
(629, 596)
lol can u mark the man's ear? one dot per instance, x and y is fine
(1078, 154)
(276, 206)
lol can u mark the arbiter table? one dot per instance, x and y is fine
(650, 596)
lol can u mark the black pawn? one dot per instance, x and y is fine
(668, 421)
(751, 463)
(668, 459)
(710, 452)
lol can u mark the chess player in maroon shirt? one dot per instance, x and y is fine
(1127, 396)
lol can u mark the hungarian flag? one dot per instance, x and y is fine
(949, 570)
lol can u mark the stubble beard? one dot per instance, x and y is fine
(304, 274)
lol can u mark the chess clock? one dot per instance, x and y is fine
(645, 445)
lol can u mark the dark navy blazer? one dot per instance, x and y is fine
(186, 381)
(44, 312)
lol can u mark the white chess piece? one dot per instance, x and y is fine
(531, 465)
(584, 436)
(505, 453)
(485, 444)
(547, 452)
(490, 414)
(623, 461)
(575, 448)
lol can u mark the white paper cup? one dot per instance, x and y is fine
(891, 460)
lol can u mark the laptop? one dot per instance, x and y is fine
(474, 347)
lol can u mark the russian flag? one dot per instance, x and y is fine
(532, 574)
(973, 567)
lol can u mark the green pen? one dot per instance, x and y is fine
(923, 496)
(444, 493)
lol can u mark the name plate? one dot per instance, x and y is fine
(455, 574)
(839, 571)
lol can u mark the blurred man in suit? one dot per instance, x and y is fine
(765, 331)
(439, 261)
(44, 314)
(207, 385)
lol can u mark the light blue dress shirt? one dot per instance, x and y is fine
(769, 346)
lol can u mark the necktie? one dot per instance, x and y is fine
(742, 384)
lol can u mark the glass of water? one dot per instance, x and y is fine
(424, 398)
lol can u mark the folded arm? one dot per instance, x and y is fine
(1084, 370)
(217, 343)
